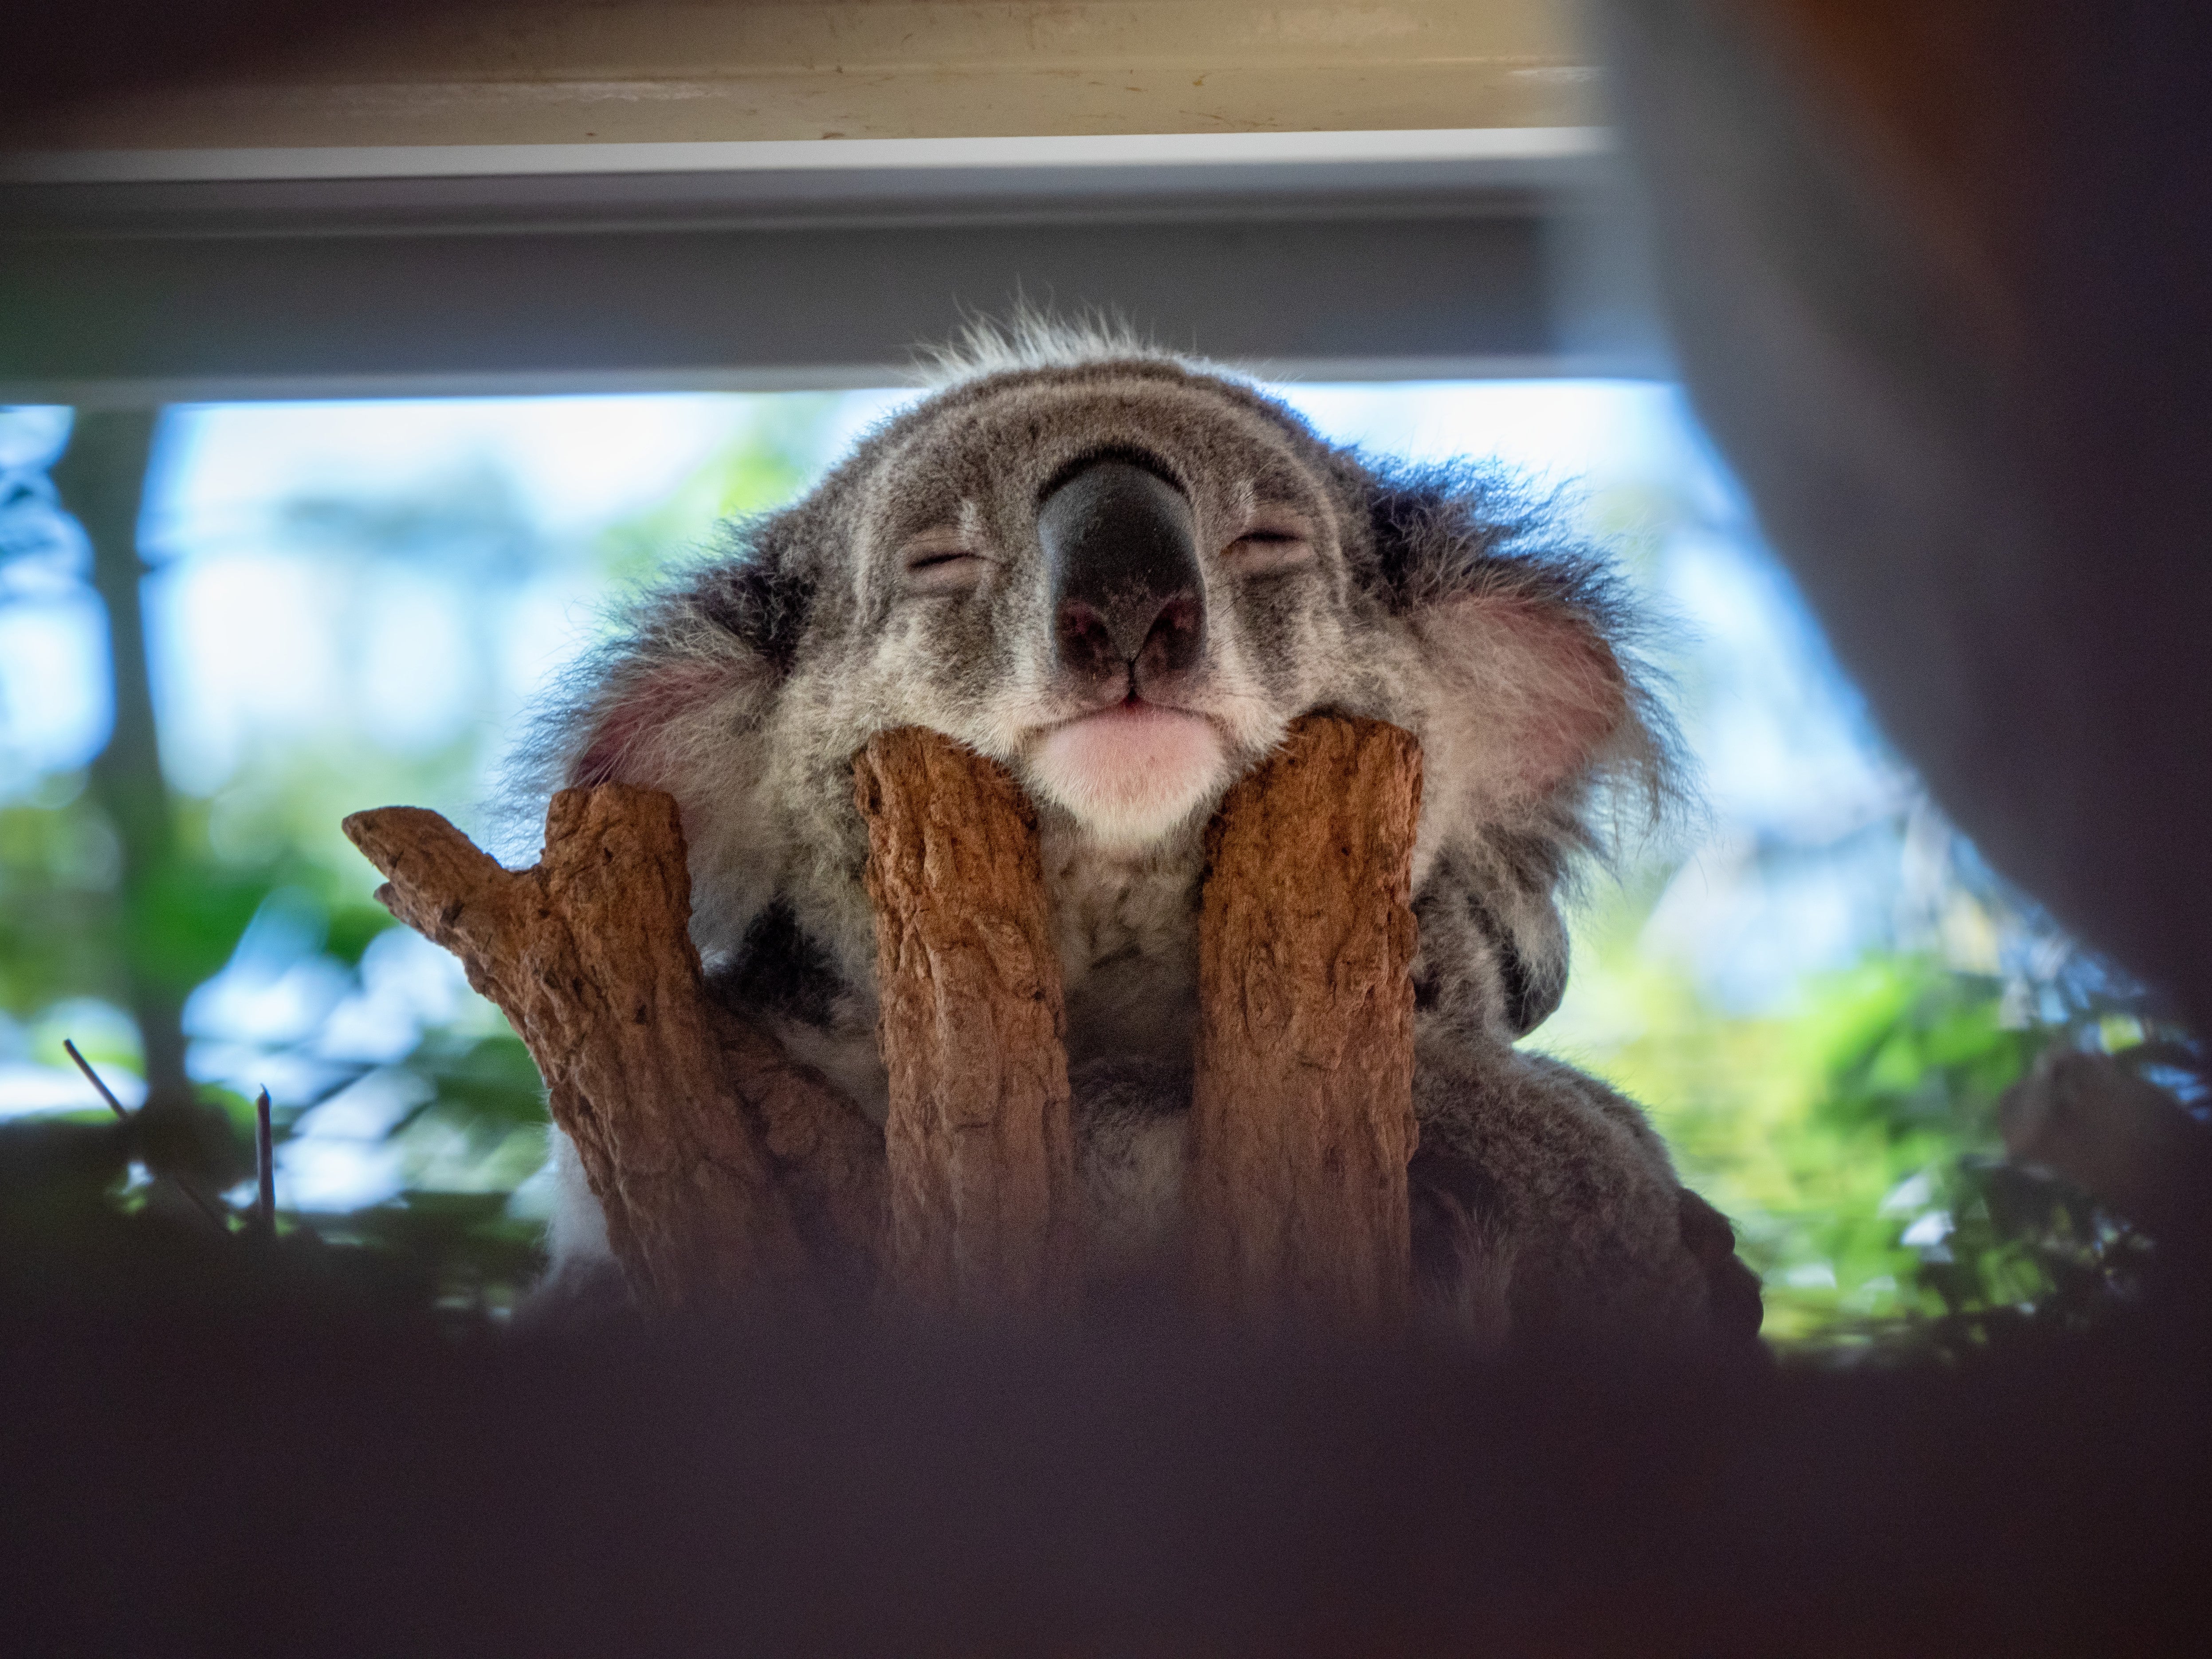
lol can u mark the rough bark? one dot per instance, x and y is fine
(717, 1160)
(1302, 1119)
(977, 1141)
(722, 1166)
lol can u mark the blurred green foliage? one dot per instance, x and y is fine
(775, 458)
(263, 892)
(1851, 1136)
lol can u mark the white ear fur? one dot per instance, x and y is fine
(637, 736)
(691, 726)
(1530, 695)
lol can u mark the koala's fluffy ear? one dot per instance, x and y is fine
(1529, 634)
(694, 665)
(1543, 677)
(677, 702)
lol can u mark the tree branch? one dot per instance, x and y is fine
(1301, 1112)
(981, 1155)
(717, 1161)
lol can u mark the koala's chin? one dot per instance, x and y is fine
(1131, 775)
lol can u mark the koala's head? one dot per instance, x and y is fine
(1121, 579)
(1123, 576)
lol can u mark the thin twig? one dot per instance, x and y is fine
(221, 1222)
(265, 1163)
(93, 1077)
(214, 1218)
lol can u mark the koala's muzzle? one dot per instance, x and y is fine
(1120, 553)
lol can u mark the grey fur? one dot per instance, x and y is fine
(1442, 599)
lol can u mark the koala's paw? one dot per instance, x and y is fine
(1546, 1208)
(1733, 1300)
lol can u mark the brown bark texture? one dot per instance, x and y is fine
(722, 1167)
(1302, 1111)
(977, 1141)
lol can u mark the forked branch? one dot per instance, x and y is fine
(1302, 1111)
(721, 1166)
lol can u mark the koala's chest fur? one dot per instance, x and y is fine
(1126, 926)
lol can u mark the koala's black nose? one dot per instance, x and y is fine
(1122, 559)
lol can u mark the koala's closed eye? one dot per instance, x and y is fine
(1272, 542)
(939, 562)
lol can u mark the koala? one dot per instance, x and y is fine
(1123, 574)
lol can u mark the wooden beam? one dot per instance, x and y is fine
(662, 70)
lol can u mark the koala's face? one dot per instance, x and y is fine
(1123, 578)
(1123, 586)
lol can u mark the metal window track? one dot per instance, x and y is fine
(141, 277)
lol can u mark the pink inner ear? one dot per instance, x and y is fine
(1555, 686)
(623, 740)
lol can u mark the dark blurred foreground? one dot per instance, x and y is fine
(231, 1444)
